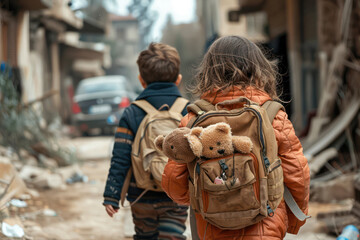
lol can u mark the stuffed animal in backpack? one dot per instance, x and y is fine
(175, 145)
(216, 141)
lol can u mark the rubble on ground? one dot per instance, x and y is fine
(32, 159)
(19, 186)
(335, 221)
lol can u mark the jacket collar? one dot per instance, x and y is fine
(159, 89)
(251, 93)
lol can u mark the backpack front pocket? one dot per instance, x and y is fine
(228, 184)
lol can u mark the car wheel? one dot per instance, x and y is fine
(107, 131)
(85, 133)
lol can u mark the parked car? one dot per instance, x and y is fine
(98, 98)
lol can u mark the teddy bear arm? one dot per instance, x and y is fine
(242, 144)
(195, 144)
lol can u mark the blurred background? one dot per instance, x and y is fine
(68, 70)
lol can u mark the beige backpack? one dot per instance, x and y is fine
(148, 163)
(260, 189)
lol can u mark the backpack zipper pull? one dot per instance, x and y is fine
(266, 162)
(197, 168)
(269, 210)
(224, 167)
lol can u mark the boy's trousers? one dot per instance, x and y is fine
(163, 220)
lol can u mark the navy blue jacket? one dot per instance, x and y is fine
(157, 94)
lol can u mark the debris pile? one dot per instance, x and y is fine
(333, 141)
(31, 157)
(24, 130)
(336, 221)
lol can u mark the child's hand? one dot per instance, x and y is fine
(110, 210)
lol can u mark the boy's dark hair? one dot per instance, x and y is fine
(236, 61)
(159, 63)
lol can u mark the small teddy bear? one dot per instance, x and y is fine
(216, 140)
(175, 145)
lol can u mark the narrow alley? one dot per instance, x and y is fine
(76, 212)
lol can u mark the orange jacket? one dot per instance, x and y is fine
(296, 178)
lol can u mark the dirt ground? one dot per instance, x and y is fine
(80, 215)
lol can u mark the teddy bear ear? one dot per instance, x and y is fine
(223, 127)
(195, 143)
(159, 140)
(196, 131)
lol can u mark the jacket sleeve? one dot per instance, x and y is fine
(175, 179)
(120, 161)
(175, 182)
(295, 167)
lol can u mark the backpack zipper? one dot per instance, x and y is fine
(204, 115)
(262, 141)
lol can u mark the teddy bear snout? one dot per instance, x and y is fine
(221, 151)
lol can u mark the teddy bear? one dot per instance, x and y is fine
(175, 145)
(216, 141)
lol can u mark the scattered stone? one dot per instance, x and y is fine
(49, 213)
(18, 203)
(29, 173)
(48, 180)
(25, 196)
(69, 171)
(335, 190)
(31, 161)
(28, 158)
(12, 227)
(77, 178)
(48, 162)
(41, 178)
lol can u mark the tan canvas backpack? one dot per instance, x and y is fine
(147, 162)
(260, 189)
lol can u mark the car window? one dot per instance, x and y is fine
(102, 86)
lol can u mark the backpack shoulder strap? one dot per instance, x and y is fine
(125, 187)
(179, 105)
(272, 108)
(200, 106)
(146, 106)
(294, 207)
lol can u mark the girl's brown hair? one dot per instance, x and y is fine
(235, 61)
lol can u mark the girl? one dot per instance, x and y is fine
(235, 67)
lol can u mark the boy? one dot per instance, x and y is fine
(155, 215)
